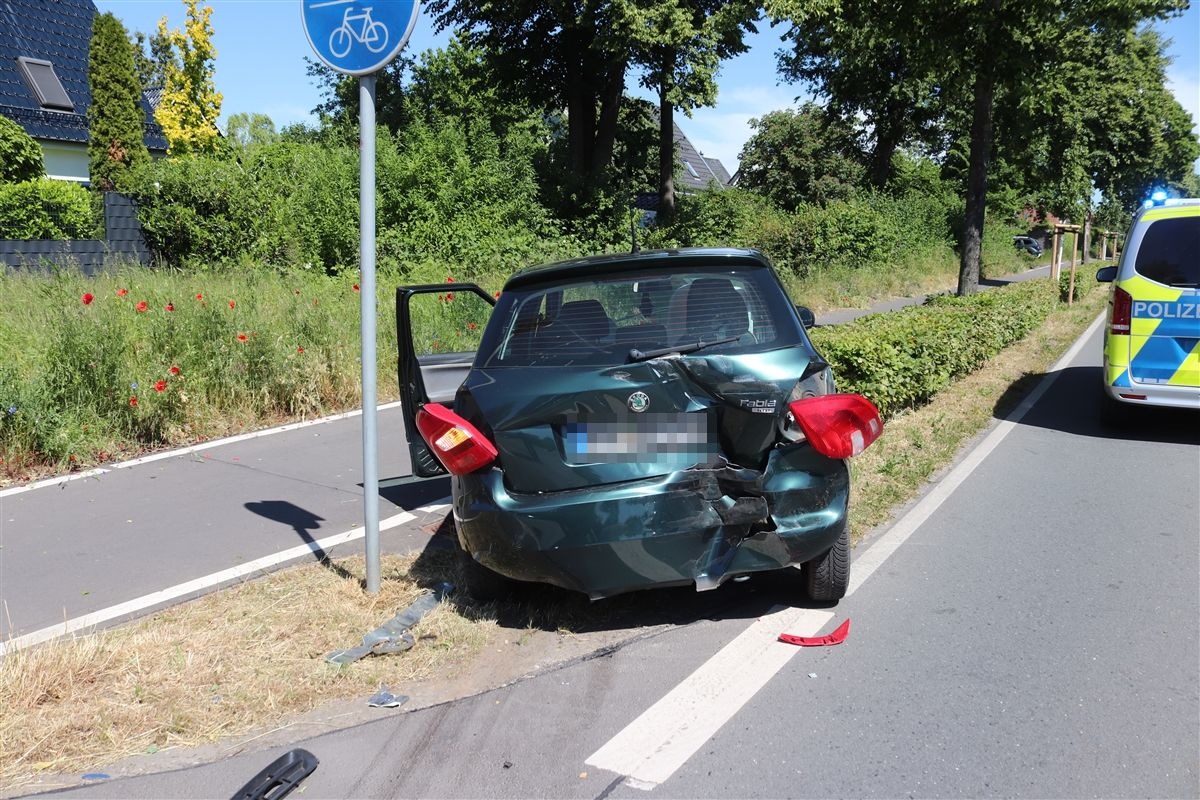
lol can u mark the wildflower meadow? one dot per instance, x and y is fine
(97, 368)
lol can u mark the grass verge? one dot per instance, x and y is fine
(251, 656)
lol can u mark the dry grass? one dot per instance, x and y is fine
(250, 657)
(225, 664)
(918, 443)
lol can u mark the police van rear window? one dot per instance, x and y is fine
(1170, 252)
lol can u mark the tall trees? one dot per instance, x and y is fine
(682, 43)
(803, 156)
(556, 54)
(953, 57)
(190, 103)
(115, 117)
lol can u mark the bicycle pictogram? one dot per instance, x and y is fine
(358, 28)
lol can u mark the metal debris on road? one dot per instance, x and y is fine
(385, 699)
(394, 635)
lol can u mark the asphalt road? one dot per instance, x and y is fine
(1029, 630)
(77, 547)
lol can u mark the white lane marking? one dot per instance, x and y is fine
(194, 448)
(205, 582)
(652, 747)
(866, 564)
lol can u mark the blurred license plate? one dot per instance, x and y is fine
(679, 438)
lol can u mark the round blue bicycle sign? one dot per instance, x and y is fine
(358, 37)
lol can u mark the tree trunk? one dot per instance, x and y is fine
(666, 153)
(1087, 237)
(888, 135)
(605, 128)
(981, 147)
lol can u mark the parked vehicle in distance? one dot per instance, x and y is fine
(623, 422)
(1028, 244)
(1152, 336)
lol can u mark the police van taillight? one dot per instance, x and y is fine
(1122, 312)
(458, 444)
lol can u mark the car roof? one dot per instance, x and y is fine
(682, 258)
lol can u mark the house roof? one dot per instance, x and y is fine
(698, 171)
(57, 31)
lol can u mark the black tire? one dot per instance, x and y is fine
(827, 577)
(481, 583)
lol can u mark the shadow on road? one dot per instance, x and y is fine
(1072, 405)
(301, 521)
(550, 608)
(408, 493)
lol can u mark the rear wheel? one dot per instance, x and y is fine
(827, 577)
(1114, 413)
(480, 582)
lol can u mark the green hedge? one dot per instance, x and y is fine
(900, 360)
(45, 209)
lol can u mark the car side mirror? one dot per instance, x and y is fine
(1106, 274)
(807, 317)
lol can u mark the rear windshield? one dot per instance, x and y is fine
(601, 321)
(1170, 252)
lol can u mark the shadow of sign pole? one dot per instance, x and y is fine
(360, 38)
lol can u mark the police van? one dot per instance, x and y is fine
(1152, 339)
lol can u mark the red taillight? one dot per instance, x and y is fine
(838, 425)
(1122, 312)
(457, 443)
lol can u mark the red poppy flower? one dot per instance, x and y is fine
(449, 279)
(169, 306)
(160, 386)
(199, 295)
(242, 337)
(142, 306)
(174, 370)
(449, 297)
(497, 295)
(87, 298)
(232, 304)
(133, 401)
(471, 326)
(299, 349)
(354, 287)
(122, 292)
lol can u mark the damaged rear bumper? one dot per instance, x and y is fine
(701, 525)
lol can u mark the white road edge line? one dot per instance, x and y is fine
(194, 448)
(205, 582)
(650, 749)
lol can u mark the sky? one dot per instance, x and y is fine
(261, 48)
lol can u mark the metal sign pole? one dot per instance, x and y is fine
(366, 250)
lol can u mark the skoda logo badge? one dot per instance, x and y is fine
(638, 402)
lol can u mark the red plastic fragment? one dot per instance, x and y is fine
(837, 637)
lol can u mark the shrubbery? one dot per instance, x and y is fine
(900, 360)
(20, 156)
(45, 209)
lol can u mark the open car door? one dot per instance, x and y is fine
(438, 329)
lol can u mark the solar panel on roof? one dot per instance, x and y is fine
(45, 84)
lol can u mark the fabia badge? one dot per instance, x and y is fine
(638, 402)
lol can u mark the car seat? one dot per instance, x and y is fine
(707, 309)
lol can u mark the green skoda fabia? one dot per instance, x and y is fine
(631, 421)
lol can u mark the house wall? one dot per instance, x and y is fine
(65, 161)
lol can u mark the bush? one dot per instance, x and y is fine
(20, 155)
(900, 360)
(45, 209)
